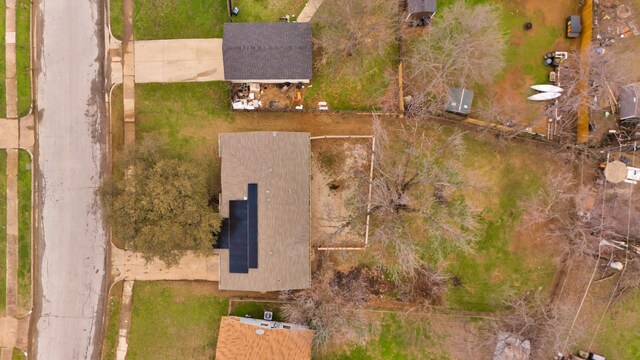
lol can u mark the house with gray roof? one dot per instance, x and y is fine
(264, 242)
(628, 103)
(267, 52)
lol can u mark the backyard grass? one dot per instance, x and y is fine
(353, 83)
(23, 55)
(174, 19)
(175, 320)
(400, 337)
(267, 11)
(256, 309)
(115, 21)
(3, 231)
(110, 344)
(3, 67)
(619, 337)
(503, 263)
(24, 230)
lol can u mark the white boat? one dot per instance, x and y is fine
(547, 88)
(544, 96)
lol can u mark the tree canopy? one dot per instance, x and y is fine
(158, 204)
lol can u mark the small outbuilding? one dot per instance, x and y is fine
(460, 100)
(276, 52)
(420, 11)
(628, 103)
(574, 26)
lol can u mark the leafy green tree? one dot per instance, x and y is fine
(158, 204)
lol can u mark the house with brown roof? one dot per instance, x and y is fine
(264, 241)
(246, 338)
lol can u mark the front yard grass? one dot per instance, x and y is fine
(191, 115)
(23, 55)
(18, 355)
(24, 230)
(175, 19)
(508, 259)
(175, 320)
(3, 231)
(267, 11)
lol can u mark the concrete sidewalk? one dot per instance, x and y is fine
(309, 10)
(182, 60)
(128, 265)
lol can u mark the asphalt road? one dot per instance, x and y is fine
(71, 236)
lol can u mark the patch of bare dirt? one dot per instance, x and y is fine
(339, 171)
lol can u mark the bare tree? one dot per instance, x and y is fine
(355, 28)
(330, 307)
(463, 47)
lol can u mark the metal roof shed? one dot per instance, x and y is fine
(628, 102)
(460, 100)
(418, 9)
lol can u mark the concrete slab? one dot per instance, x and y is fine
(181, 60)
(9, 133)
(129, 133)
(27, 132)
(10, 37)
(8, 332)
(128, 265)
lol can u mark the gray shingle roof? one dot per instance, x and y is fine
(267, 51)
(421, 6)
(279, 162)
(629, 108)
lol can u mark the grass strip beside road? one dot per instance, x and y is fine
(23, 55)
(110, 345)
(18, 355)
(115, 14)
(3, 230)
(175, 320)
(24, 230)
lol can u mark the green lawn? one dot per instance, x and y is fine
(401, 337)
(256, 309)
(267, 11)
(175, 320)
(619, 337)
(18, 355)
(502, 263)
(175, 19)
(110, 343)
(3, 230)
(24, 230)
(115, 14)
(23, 55)
(117, 119)
(3, 68)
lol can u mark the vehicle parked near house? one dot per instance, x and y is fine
(574, 26)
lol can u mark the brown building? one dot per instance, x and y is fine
(242, 338)
(264, 243)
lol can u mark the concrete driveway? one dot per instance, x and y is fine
(182, 60)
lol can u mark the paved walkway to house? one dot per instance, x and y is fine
(11, 80)
(309, 10)
(128, 63)
(128, 265)
(181, 60)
